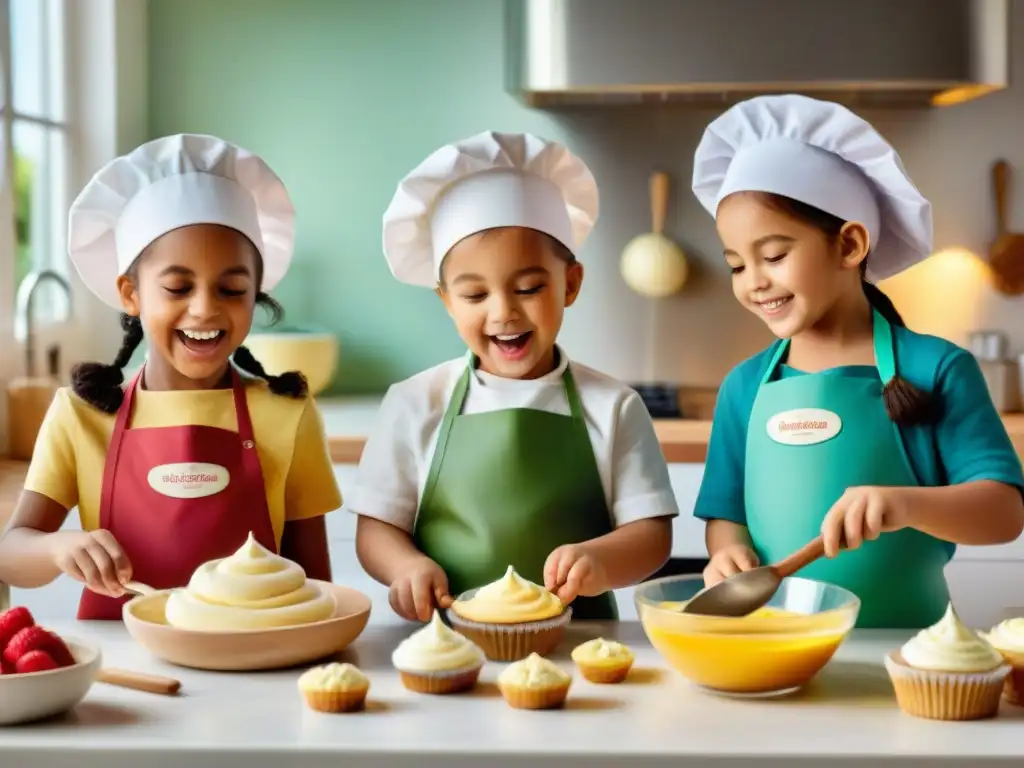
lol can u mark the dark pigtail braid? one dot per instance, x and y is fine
(906, 404)
(99, 384)
(290, 383)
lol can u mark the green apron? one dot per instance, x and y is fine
(507, 488)
(811, 437)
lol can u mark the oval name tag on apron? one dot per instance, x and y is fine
(804, 426)
(188, 480)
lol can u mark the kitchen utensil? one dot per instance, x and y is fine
(988, 345)
(776, 651)
(745, 592)
(313, 354)
(1006, 255)
(28, 697)
(652, 265)
(138, 588)
(139, 681)
(249, 649)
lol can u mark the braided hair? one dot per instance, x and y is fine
(99, 384)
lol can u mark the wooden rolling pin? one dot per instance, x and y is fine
(139, 681)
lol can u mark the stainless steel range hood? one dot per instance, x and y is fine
(909, 53)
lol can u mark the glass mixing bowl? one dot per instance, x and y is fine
(773, 651)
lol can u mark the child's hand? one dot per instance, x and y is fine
(728, 561)
(862, 514)
(416, 593)
(94, 558)
(570, 571)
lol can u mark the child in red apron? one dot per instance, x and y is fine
(201, 447)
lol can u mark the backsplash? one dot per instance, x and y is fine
(342, 98)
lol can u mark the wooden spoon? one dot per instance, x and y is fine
(745, 592)
(1006, 254)
(139, 681)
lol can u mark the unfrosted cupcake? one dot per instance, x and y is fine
(534, 683)
(1007, 637)
(334, 688)
(511, 618)
(603, 661)
(437, 659)
(948, 672)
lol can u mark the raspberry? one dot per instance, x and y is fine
(12, 622)
(5, 668)
(59, 651)
(35, 661)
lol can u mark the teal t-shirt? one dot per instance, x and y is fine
(968, 442)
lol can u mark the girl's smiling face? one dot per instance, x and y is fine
(789, 270)
(195, 291)
(506, 289)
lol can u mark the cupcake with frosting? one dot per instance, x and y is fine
(603, 661)
(437, 659)
(948, 672)
(511, 618)
(534, 683)
(1007, 637)
(334, 688)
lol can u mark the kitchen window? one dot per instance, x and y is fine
(35, 160)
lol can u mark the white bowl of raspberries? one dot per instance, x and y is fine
(43, 674)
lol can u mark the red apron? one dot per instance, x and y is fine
(176, 497)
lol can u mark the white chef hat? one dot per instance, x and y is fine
(170, 183)
(486, 181)
(821, 154)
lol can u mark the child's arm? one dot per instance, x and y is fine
(311, 492)
(33, 549)
(642, 508)
(981, 504)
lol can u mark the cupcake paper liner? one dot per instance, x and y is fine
(605, 673)
(336, 701)
(946, 695)
(1013, 690)
(551, 697)
(512, 642)
(442, 682)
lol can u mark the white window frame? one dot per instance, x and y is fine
(106, 114)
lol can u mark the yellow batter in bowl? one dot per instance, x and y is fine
(774, 650)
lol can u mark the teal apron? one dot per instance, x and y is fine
(507, 488)
(810, 438)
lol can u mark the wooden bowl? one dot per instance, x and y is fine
(247, 649)
(37, 695)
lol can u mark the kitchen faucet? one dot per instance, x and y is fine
(23, 310)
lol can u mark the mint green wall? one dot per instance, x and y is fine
(341, 97)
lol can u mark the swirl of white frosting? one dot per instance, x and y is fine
(1008, 635)
(533, 672)
(950, 646)
(437, 648)
(250, 589)
(509, 600)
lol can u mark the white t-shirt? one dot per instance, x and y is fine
(396, 460)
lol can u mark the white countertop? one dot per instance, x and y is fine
(848, 715)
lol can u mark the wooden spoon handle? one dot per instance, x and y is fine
(801, 558)
(139, 681)
(659, 201)
(1000, 184)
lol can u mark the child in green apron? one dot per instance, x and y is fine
(883, 440)
(511, 455)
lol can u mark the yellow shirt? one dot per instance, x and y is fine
(67, 465)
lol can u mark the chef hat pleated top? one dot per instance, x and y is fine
(170, 183)
(821, 154)
(482, 182)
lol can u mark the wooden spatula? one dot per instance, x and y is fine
(1006, 254)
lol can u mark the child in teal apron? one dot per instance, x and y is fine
(883, 440)
(511, 455)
